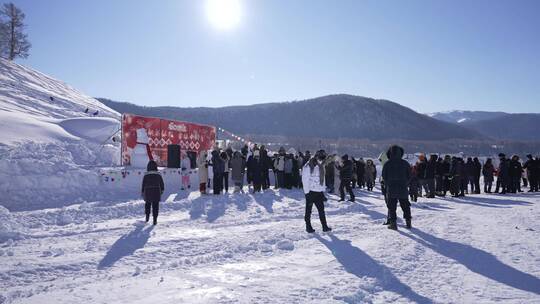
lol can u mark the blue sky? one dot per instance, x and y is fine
(429, 55)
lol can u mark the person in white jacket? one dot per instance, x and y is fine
(185, 166)
(314, 187)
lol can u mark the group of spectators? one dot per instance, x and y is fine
(440, 175)
(255, 166)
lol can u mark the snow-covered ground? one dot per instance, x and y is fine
(244, 248)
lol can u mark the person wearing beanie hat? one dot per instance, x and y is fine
(502, 174)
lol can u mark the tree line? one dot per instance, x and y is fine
(13, 40)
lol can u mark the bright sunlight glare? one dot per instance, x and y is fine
(224, 14)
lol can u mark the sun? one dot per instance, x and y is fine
(224, 14)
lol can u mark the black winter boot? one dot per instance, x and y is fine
(326, 229)
(155, 221)
(408, 223)
(309, 229)
(392, 225)
(147, 217)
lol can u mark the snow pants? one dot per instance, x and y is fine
(217, 181)
(316, 198)
(345, 184)
(392, 207)
(154, 206)
(226, 181)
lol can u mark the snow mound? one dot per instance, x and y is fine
(52, 138)
(97, 129)
(10, 229)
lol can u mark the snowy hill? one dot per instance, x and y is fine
(49, 139)
(33, 106)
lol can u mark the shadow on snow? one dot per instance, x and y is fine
(478, 261)
(126, 245)
(360, 264)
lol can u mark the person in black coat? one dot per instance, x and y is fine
(469, 169)
(477, 171)
(515, 171)
(218, 168)
(445, 172)
(151, 190)
(396, 174)
(360, 171)
(531, 166)
(345, 177)
(488, 171)
(502, 174)
(430, 175)
(255, 168)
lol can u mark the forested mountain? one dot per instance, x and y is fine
(333, 116)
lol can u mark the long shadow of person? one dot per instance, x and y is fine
(478, 261)
(126, 245)
(360, 264)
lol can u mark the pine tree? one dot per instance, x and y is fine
(13, 41)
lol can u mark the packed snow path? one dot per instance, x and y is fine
(245, 248)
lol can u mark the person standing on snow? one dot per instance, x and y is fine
(477, 171)
(531, 166)
(487, 172)
(502, 174)
(396, 174)
(238, 167)
(226, 161)
(370, 174)
(314, 186)
(255, 170)
(345, 175)
(279, 167)
(202, 165)
(151, 190)
(185, 168)
(218, 168)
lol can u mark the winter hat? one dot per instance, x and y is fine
(152, 166)
(502, 155)
(345, 157)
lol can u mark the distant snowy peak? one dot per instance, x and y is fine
(458, 116)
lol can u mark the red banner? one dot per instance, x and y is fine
(158, 133)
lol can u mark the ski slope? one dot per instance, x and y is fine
(244, 248)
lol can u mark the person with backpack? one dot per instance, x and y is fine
(396, 174)
(151, 190)
(314, 187)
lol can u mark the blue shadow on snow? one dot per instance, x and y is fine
(360, 264)
(478, 261)
(126, 245)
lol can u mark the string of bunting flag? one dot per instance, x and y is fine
(248, 142)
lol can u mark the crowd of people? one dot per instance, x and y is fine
(457, 176)
(322, 173)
